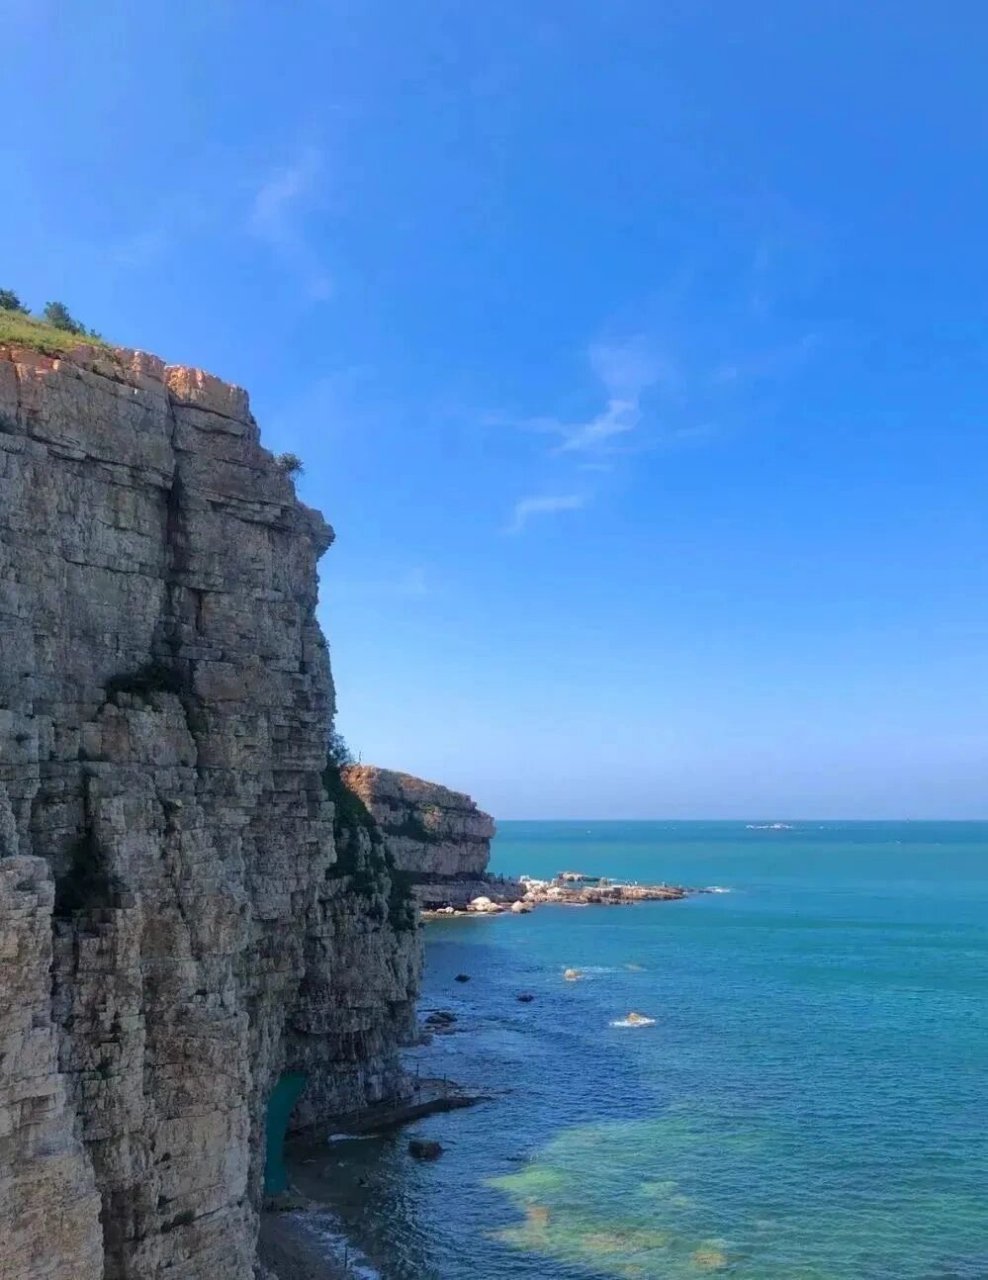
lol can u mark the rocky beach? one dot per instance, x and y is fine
(567, 889)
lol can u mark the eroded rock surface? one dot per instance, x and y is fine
(176, 927)
(437, 837)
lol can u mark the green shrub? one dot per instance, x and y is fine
(26, 331)
(58, 316)
(290, 463)
(369, 870)
(9, 301)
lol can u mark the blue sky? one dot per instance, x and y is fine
(637, 352)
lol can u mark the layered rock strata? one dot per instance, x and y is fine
(177, 926)
(438, 838)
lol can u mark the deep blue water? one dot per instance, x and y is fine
(809, 1105)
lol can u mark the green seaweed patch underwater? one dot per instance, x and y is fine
(696, 1193)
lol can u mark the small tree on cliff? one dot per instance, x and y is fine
(290, 463)
(337, 752)
(58, 316)
(9, 301)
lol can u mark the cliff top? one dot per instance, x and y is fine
(22, 335)
(26, 330)
(371, 782)
(51, 380)
(26, 341)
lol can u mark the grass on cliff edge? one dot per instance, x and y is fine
(25, 331)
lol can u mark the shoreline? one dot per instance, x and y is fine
(287, 1251)
(306, 1237)
(569, 889)
(302, 1235)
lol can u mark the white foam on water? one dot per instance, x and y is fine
(350, 1137)
(634, 1022)
(717, 888)
(329, 1233)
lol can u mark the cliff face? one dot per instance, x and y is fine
(438, 838)
(176, 927)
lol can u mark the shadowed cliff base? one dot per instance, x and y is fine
(290, 1252)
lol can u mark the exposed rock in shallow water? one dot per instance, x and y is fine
(179, 926)
(424, 1149)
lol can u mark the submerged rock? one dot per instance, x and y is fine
(572, 975)
(709, 1258)
(442, 1019)
(424, 1149)
(526, 997)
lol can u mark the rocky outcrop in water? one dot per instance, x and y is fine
(187, 912)
(438, 838)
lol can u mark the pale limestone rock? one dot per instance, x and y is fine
(437, 837)
(49, 1204)
(165, 697)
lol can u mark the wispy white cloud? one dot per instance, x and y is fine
(646, 399)
(619, 418)
(278, 213)
(630, 367)
(526, 508)
(626, 371)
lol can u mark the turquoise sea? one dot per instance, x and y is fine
(811, 1102)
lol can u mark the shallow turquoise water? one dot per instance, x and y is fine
(809, 1105)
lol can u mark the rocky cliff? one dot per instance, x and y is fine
(438, 838)
(187, 911)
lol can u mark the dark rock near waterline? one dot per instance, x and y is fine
(463, 977)
(440, 1019)
(424, 1149)
(526, 997)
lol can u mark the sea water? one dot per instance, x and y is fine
(810, 1102)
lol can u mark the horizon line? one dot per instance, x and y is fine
(749, 818)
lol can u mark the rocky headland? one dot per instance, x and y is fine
(440, 844)
(198, 922)
(438, 839)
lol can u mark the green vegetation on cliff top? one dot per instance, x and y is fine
(55, 332)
